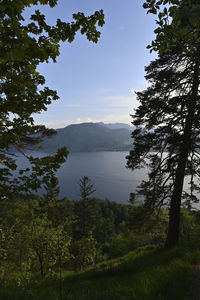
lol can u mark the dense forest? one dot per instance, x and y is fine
(91, 248)
(46, 241)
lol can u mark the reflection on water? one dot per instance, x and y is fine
(107, 171)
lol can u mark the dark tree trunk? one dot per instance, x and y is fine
(41, 266)
(175, 204)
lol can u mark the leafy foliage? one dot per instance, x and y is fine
(178, 24)
(39, 244)
(24, 44)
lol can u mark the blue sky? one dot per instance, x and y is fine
(95, 82)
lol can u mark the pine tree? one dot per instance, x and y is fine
(85, 209)
(166, 138)
(52, 189)
(86, 187)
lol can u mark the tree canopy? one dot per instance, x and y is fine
(24, 44)
(167, 120)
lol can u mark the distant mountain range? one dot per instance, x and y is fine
(116, 125)
(91, 137)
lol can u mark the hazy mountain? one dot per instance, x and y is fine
(116, 125)
(90, 137)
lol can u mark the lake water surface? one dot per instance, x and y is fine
(107, 170)
(112, 180)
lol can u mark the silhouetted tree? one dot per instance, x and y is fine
(52, 189)
(86, 187)
(85, 208)
(167, 120)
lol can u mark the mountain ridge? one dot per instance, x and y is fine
(87, 137)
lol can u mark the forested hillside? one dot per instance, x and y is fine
(68, 249)
(90, 137)
(89, 248)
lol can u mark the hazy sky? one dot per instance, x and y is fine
(95, 82)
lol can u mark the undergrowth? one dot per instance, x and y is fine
(144, 274)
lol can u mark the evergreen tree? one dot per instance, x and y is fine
(86, 187)
(52, 189)
(85, 209)
(167, 120)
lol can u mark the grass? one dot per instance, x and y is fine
(142, 275)
(149, 274)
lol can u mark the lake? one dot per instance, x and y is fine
(107, 171)
(112, 180)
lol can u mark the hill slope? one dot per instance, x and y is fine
(90, 137)
(144, 274)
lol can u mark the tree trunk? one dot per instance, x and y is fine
(175, 204)
(41, 265)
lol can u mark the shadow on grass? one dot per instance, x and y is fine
(145, 274)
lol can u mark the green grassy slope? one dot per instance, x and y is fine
(144, 274)
(147, 274)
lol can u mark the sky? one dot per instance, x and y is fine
(96, 82)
